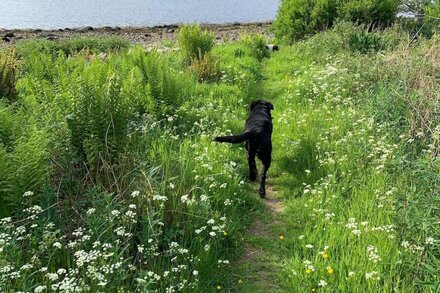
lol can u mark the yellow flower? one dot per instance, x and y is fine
(240, 281)
(225, 233)
(325, 255)
(281, 237)
(308, 271)
(329, 270)
(219, 287)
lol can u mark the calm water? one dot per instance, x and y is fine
(49, 14)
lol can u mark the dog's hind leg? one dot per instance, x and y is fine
(251, 152)
(266, 160)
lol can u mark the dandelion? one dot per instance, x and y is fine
(281, 237)
(329, 270)
(308, 271)
(225, 233)
(325, 255)
(240, 281)
(218, 287)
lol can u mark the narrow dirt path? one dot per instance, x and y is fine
(262, 241)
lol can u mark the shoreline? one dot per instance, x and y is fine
(142, 35)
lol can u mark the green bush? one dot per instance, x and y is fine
(432, 15)
(299, 18)
(194, 42)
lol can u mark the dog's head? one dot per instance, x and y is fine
(262, 104)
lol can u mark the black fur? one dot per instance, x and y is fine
(258, 137)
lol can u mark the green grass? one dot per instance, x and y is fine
(109, 179)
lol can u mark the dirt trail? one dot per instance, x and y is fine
(257, 260)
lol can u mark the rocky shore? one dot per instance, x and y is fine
(143, 35)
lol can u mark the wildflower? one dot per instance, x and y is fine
(28, 194)
(39, 289)
(240, 281)
(325, 255)
(135, 193)
(372, 275)
(322, 283)
(351, 274)
(308, 271)
(90, 211)
(57, 245)
(281, 237)
(429, 240)
(225, 233)
(310, 246)
(218, 287)
(329, 270)
(115, 213)
(195, 273)
(301, 237)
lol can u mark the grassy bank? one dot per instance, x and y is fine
(110, 181)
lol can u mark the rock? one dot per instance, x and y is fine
(147, 35)
(67, 29)
(259, 24)
(38, 30)
(60, 30)
(89, 28)
(51, 37)
(117, 28)
(6, 39)
(236, 24)
(272, 47)
(9, 35)
(171, 30)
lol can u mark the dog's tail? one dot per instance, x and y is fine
(234, 138)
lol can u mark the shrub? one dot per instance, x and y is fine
(194, 42)
(298, 18)
(432, 15)
(8, 73)
(373, 13)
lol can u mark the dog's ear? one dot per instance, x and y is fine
(253, 104)
(270, 106)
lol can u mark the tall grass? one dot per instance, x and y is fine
(8, 72)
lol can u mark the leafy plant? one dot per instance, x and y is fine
(194, 42)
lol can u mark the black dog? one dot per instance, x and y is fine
(258, 137)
